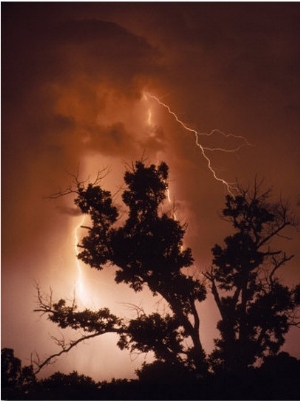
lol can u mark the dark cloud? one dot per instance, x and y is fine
(42, 47)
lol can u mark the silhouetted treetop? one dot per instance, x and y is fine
(146, 188)
(145, 248)
(256, 309)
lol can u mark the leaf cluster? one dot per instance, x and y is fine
(89, 321)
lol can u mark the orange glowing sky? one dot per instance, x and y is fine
(74, 78)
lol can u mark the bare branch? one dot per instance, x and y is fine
(138, 309)
(79, 184)
(65, 349)
(91, 323)
(214, 290)
(273, 232)
(277, 264)
(45, 302)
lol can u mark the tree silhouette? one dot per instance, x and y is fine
(256, 309)
(72, 386)
(277, 378)
(16, 380)
(148, 252)
(11, 371)
(145, 249)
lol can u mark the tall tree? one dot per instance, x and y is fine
(148, 252)
(256, 309)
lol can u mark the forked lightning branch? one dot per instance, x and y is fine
(203, 149)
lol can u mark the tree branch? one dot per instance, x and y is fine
(277, 265)
(272, 234)
(94, 323)
(77, 184)
(215, 293)
(65, 349)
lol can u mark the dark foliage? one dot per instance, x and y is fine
(256, 309)
(16, 380)
(277, 379)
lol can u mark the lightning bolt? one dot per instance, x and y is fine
(80, 281)
(204, 149)
(151, 125)
(170, 202)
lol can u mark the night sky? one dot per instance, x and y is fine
(74, 79)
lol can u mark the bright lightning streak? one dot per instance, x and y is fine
(151, 126)
(229, 186)
(80, 281)
(170, 202)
